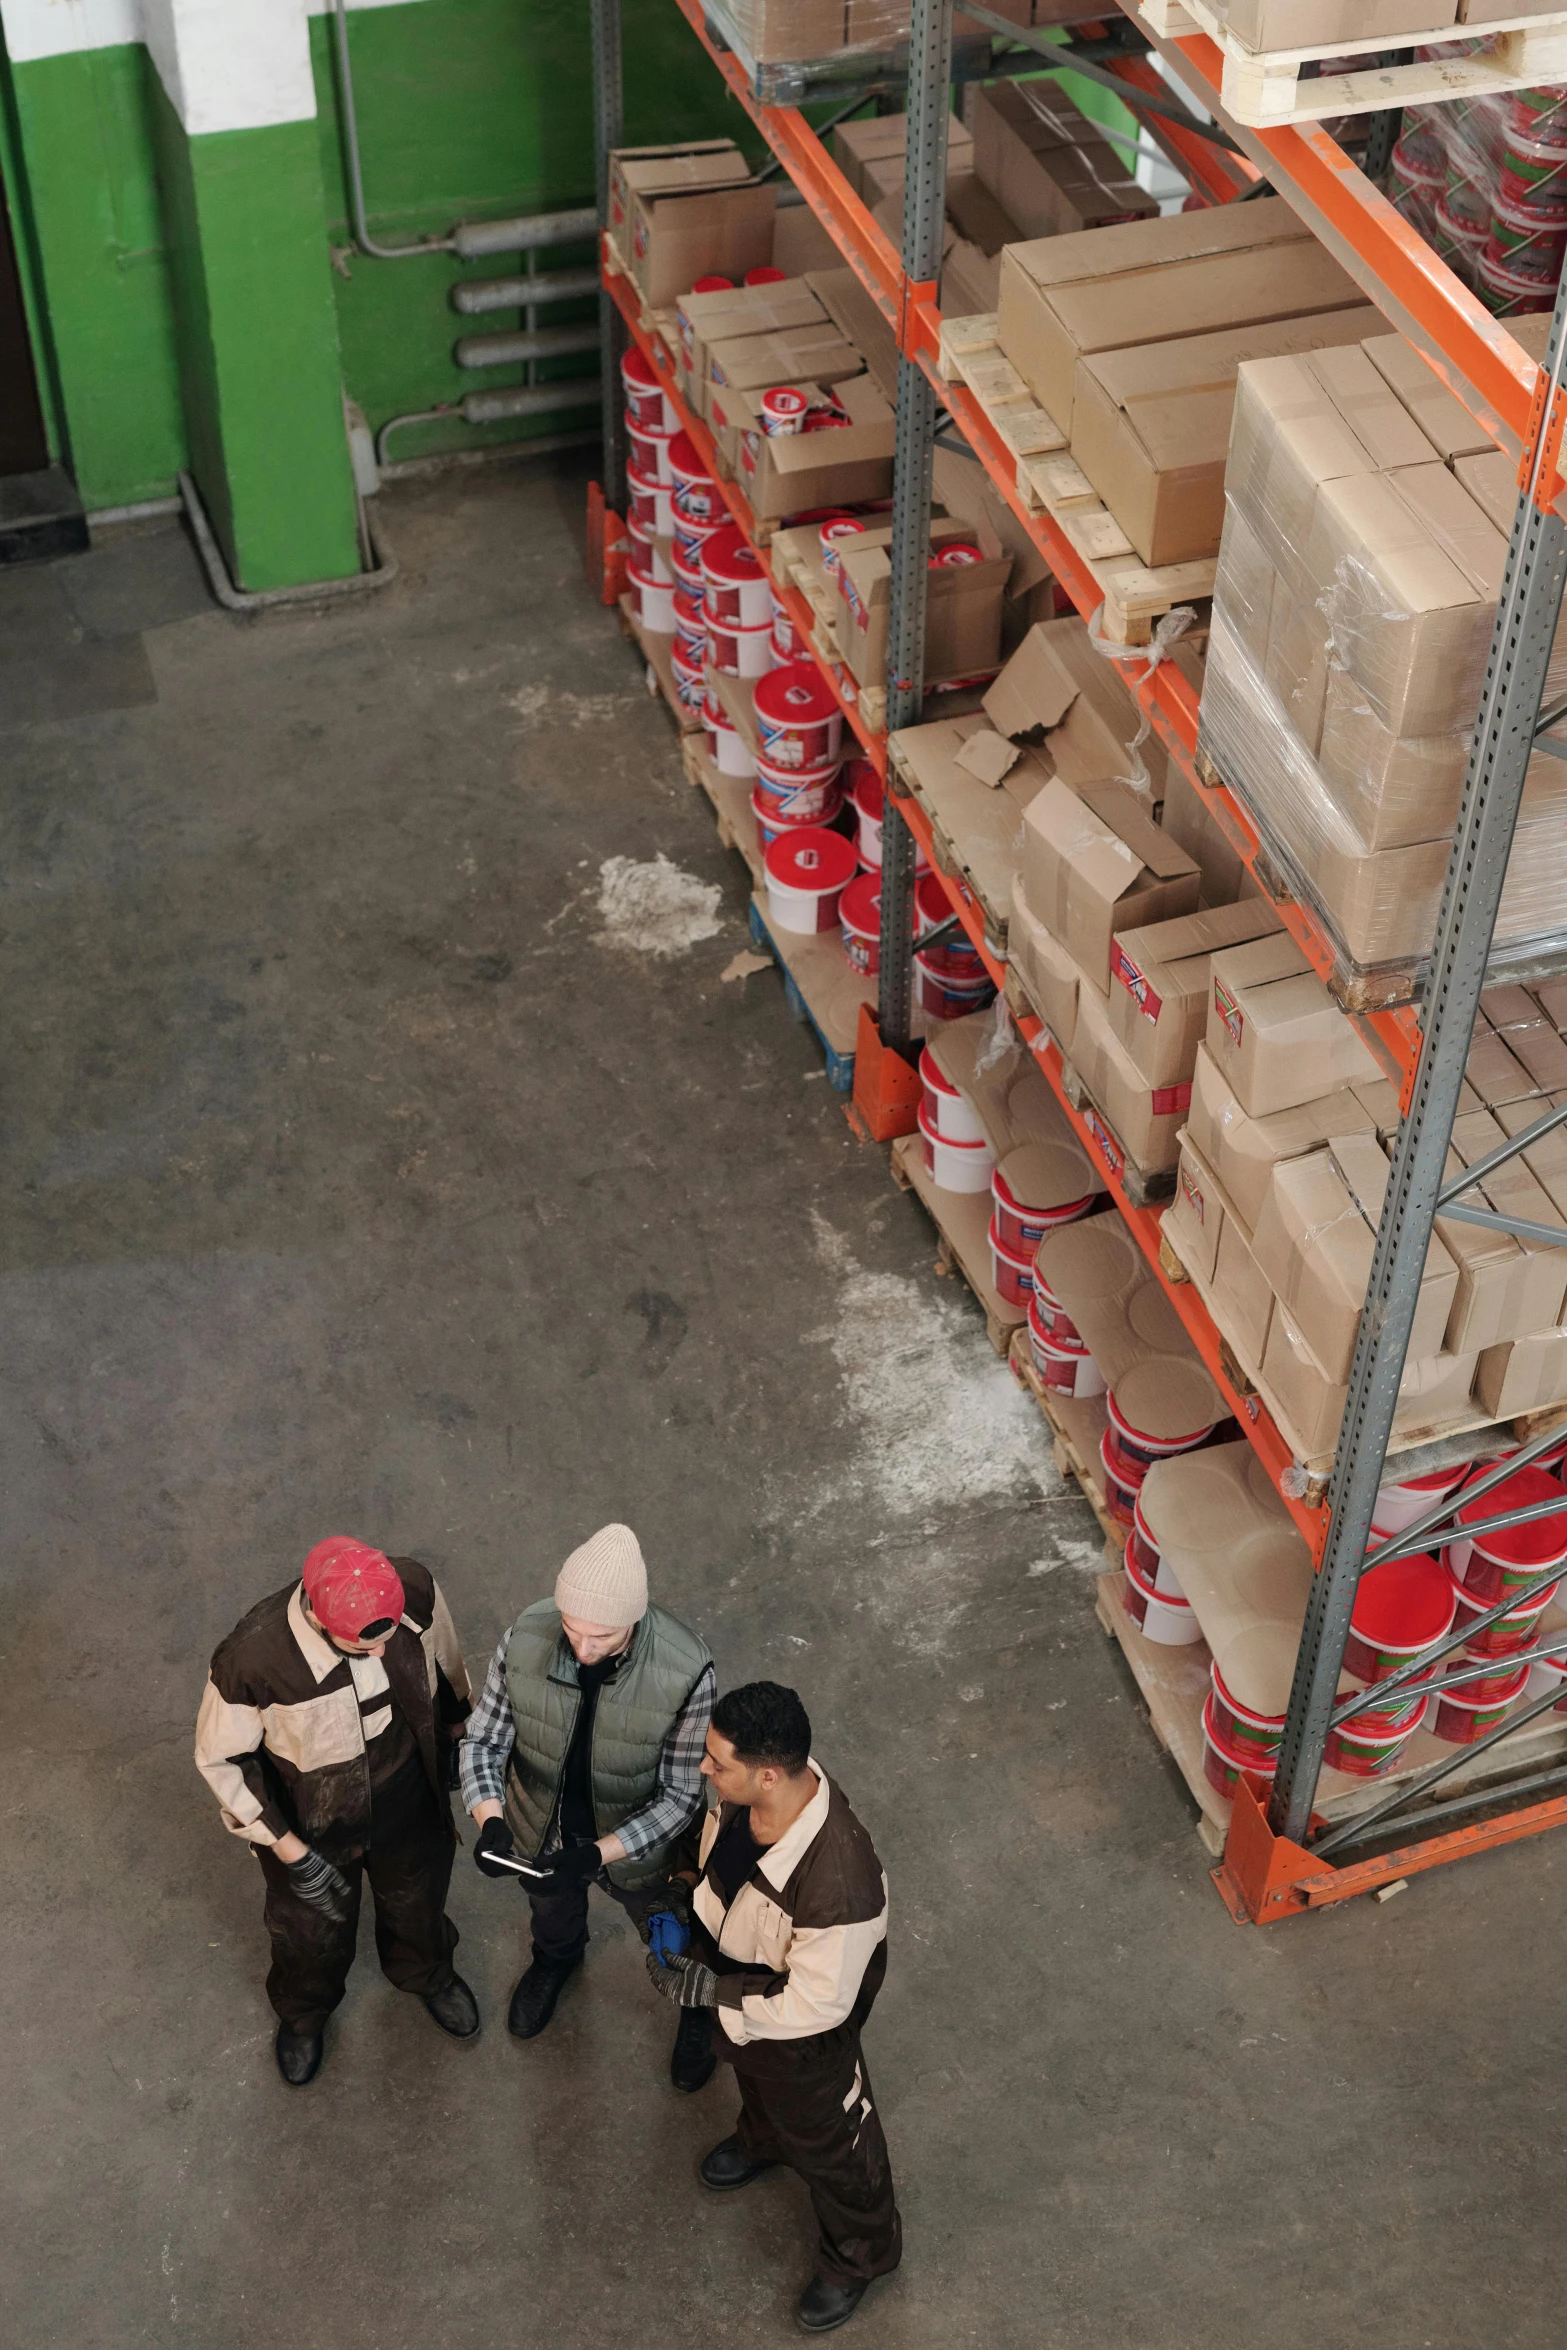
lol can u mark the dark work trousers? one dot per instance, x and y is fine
(560, 1920)
(409, 1872)
(808, 2103)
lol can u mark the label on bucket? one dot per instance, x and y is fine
(1135, 982)
(1229, 1010)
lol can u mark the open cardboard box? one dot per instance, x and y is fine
(682, 212)
(963, 605)
(790, 473)
(1094, 862)
(1159, 983)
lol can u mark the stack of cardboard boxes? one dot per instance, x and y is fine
(790, 32)
(1364, 544)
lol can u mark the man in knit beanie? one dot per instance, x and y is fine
(583, 1760)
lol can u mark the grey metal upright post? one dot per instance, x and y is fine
(924, 207)
(608, 119)
(1526, 621)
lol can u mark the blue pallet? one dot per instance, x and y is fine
(840, 1066)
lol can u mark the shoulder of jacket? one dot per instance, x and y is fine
(839, 1879)
(418, 1590)
(687, 1646)
(538, 1622)
(246, 1662)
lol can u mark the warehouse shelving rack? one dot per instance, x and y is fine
(1278, 1859)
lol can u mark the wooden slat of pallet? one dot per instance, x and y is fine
(1077, 1425)
(1263, 89)
(963, 338)
(1174, 1686)
(730, 796)
(658, 652)
(963, 1221)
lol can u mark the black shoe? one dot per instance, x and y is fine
(727, 2167)
(533, 2001)
(455, 2009)
(693, 2063)
(298, 2056)
(824, 2305)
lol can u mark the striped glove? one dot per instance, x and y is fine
(684, 1980)
(321, 1887)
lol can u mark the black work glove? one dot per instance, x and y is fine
(494, 1836)
(675, 1897)
(454, 1761)
(685, 1980)
(574, 1864)
(320, 1886)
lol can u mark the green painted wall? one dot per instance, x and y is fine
(260, 378)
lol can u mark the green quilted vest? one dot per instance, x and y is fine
(636, 1712)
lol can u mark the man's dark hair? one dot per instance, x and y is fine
(765, 1724)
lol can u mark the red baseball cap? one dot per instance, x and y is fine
(354, 1592)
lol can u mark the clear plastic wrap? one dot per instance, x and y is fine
(800, 33)
(1485, 182)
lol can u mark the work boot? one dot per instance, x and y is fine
(533, 2001)
(693, 2062)
(824, 2305)
(299, 2055)
(454, 2008)
(727, 2167)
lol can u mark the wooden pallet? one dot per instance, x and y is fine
(1049, 482)
(1173, 1684)
(1263, 88)
(1076, 1424)
(658, 652)
(962, 1221)
(730, 796)
(819, 987)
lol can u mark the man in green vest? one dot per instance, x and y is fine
(582, 1761)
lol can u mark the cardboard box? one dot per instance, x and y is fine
(1296, 666)
(1445, 421)
(1057, 691)
(1159, 984)
(1243, 589)
(678, 213)
(1302, 24)
(1094, 863)
(1193, 1222)
(1242, 1294)
(860, 322)
(790, 473)
(1151, 423)
(1064, 299)
(800, 242)
(1394, 789)
(1185, 818)
(1274, 1031)
(1047, 971)
(975, 213)
(1241, 1562)
(970, 282)
(885, 137)
(1310, 1404)
(1523, 1375)
(1244, 1151)
(1507, 1288)
(742, 311)
(1315, 1244)
(1416, 569)
(1494, 1071)
(1145, 1119)
(782, 32)
(804, 355)
(1048, 167)
(962, 613)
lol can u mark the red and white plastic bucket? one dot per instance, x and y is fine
(647, 554)
(652, 602)
(1121, 1487)
(788, 644)
(954, 1166)
(1065, 1370)
(739, 652)
(952, 1113)
(957, 957)
(1399, 1504)
(1140, 1542)
(1402, 1608)
(772, 823)
(1011, 1269)
(697, 496)
(1363, 1749)
(648, 501)
(1139, 1450)
(859, 914)
(833, 534)
(688, 570)
(1545, 1674)
(1495, 1684)
(726, 745)
(689, 540)
(783, 410)
(690, 682)
(1498, 1564)
(956, 555)
(1046, 1313)
(1021, 1226)
(1223, 1767)
(650, 447)
(798, 717)
(864, 784)
(807, 873)
(736, 588)
(764, 274)
(1511, 1634)
(1462, 1719)
(1394, 1713)
(646, 400)
(946, 999)
(795, 798)
(1244, 1730)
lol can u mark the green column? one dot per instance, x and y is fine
(256, 336)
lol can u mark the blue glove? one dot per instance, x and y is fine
(668, 1937)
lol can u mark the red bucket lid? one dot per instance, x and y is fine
(811, 860)
(862, 781)
(765, 275)
(729, 557)
(931, 898)
(956, 555)
(683, 458)
(1354, 1732)
(859, 909)
(929, 1073)
(794, 694)
(636, 368)
(1535, 1545)
(1404, 1603)
(714, 284)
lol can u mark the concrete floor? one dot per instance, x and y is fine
(366, 1170)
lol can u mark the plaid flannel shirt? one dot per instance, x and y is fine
(489, 1734)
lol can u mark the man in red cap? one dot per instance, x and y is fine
(326, 1733)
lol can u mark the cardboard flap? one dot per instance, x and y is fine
(988, 756)
(1468, 537)
(1118, 807)
(1033, 692)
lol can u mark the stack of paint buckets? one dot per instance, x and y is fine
(953, 1140)
(1035, 1189)
(1158, 1409)
(651, 426)
(1241, 1740)
(1486, 1568)
(1402, 1608)
(1485, 180)
(1154, 1599)
(950, 979)
(1059, 1350)
(797, 798)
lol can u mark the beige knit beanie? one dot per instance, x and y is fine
(604, 1581)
